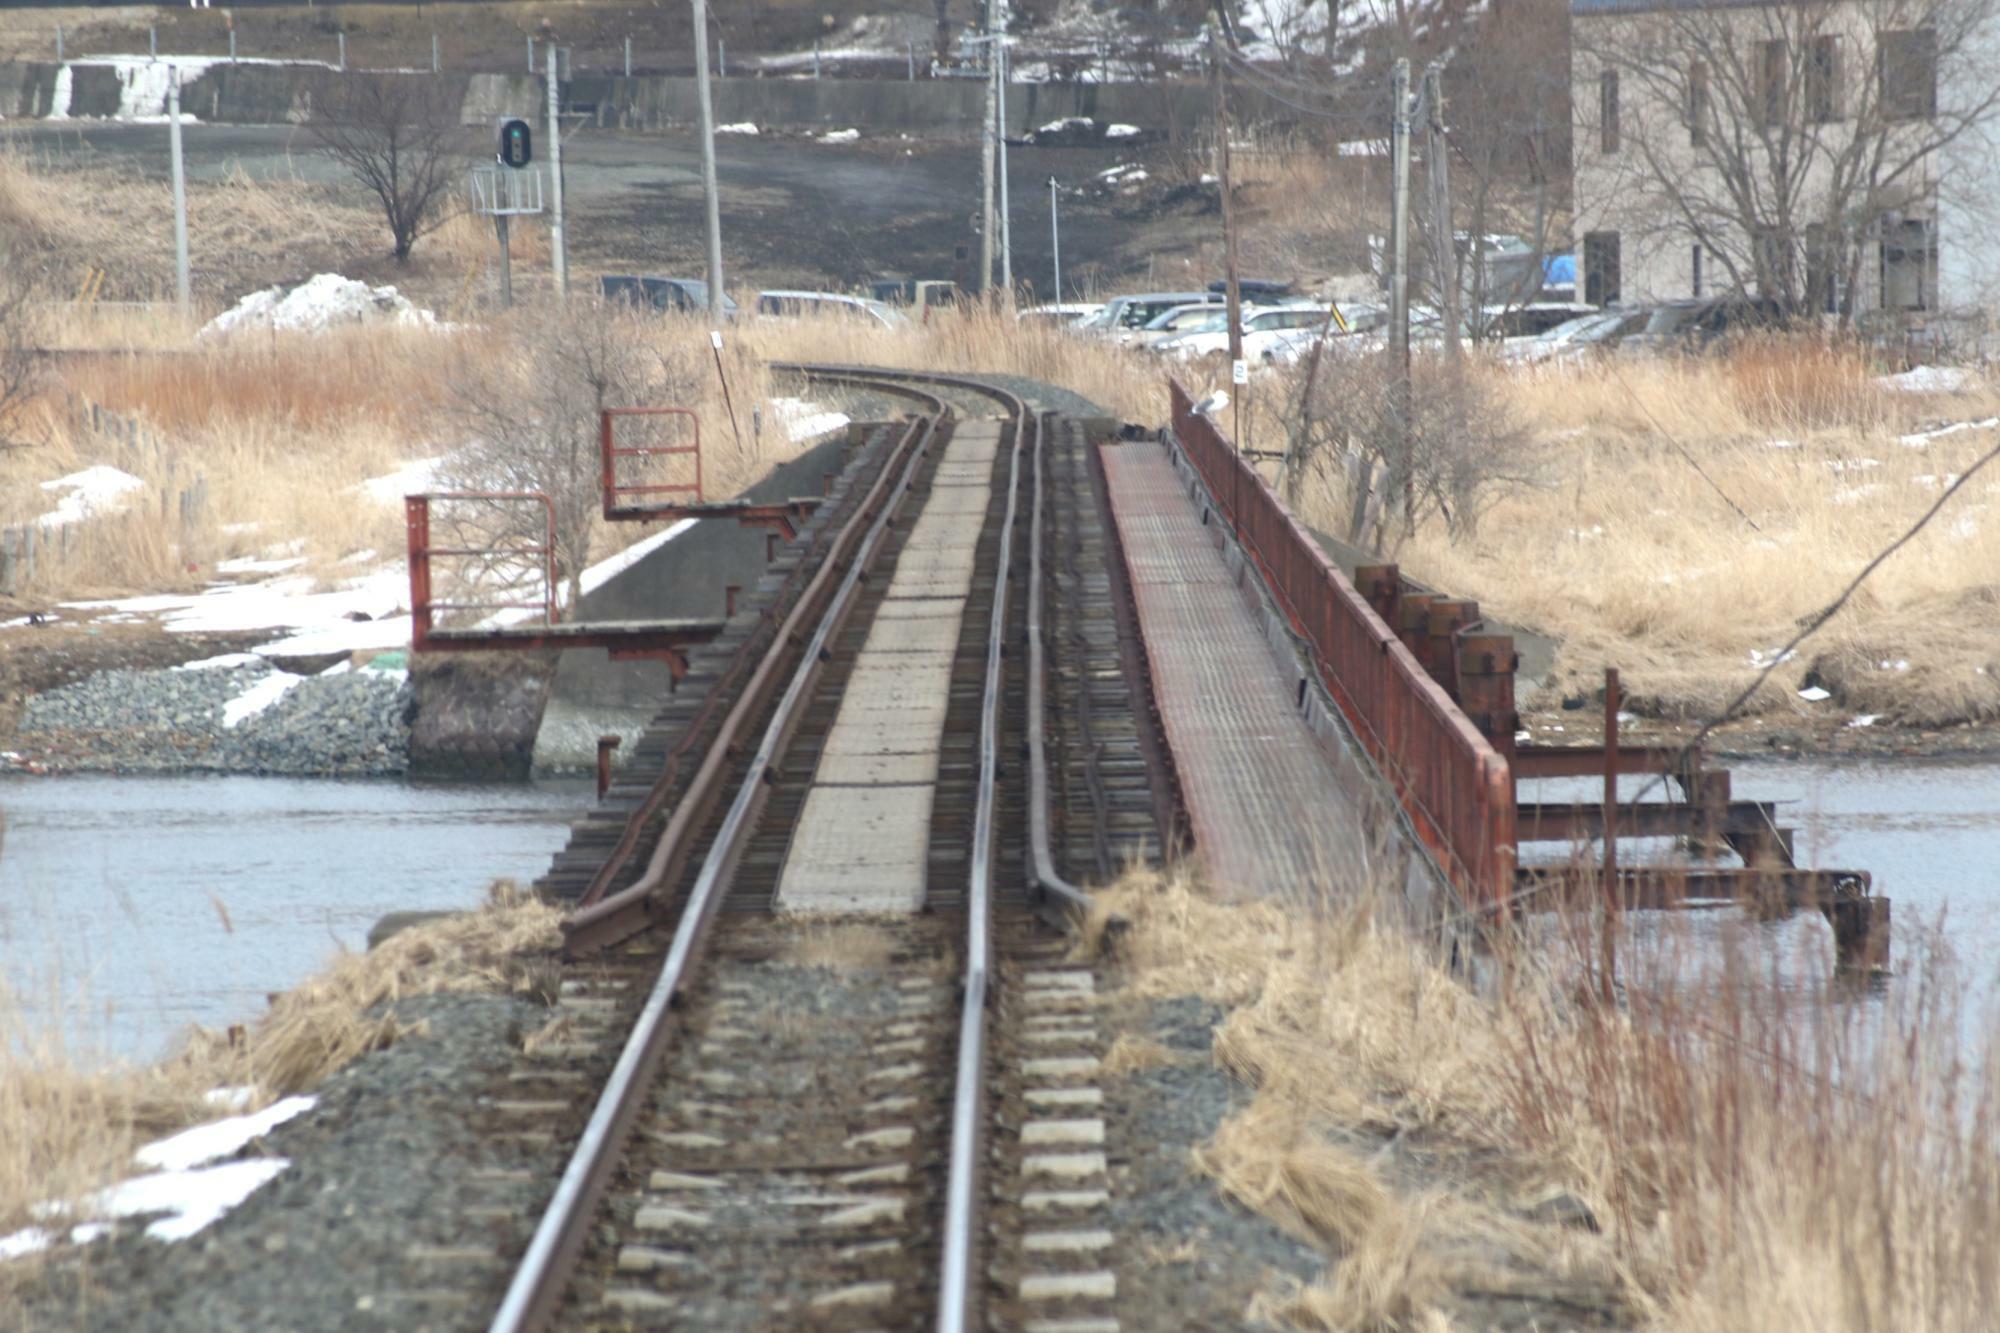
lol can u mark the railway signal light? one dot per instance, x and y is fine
(517, 143)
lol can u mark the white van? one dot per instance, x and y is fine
(829, 304)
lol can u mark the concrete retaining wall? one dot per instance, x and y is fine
(685, 578)
(256, 94)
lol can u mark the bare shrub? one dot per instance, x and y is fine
(1463, 446)
(529, 406)
(398, 135)
(18, 287)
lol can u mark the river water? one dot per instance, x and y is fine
(133, 906)
(1928, 832)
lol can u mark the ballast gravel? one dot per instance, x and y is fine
(135, 721)
(1202, 1256)
(392, 1214)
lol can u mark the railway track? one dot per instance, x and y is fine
(854, 1084)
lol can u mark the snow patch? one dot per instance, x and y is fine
(222, 663)
(326, 300)
(1121, 131)
(1864, 719)
(608, 568)
(59, 98)
(1923, 437)
(95, 490)
(258, 697)
(220, 1138)
(190, 1200)
(739, 127)
(1927, 379)
(413, 478)
(803, 420)
(1813, 694)
(840, 136)
(250, 564)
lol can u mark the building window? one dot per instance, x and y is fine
(1607, 109)
(1697, 270)
(1697, 110)
(1773, 72)
(1906, 67)
(1823, 80)
(1909, 264)
(1600, 267)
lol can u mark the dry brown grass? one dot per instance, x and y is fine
(1621, 550)
(67, 1128)
(282, 428)
(1412, 1125)
(339, 1013)
(242, 233)
(839, 946)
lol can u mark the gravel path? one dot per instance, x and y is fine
(129, 721)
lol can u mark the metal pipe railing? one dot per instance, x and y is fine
(1455, 787)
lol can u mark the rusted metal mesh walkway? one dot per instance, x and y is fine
(1267, 807)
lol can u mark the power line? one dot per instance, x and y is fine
(1679, 448)
(1820, 618)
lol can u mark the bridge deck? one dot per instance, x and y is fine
(1267, 807)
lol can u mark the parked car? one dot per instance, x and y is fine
(1253, 291)
(1131, 313)
(1692, 326)
(920, 294)
(1258, 327)
(1067, 314)
(1525, 321)
(676, 295)
(788, 304)
(1177, 321)
(1598, 331)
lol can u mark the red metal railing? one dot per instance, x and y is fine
(1455, 787)
(424, 610)
(611, 451)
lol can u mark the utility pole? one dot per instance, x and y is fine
(1006, 210)
(1437, 176)
(1055, 243)
(557, 252)
(182, 293)
(708, 186)
(1234, 292)
(1399, 269)
(986, 156)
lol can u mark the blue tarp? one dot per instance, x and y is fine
(1559, 271)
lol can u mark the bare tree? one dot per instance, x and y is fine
(528, 407)
(19, 287)
(1780, 142)
(397, 134)
(1508, 140)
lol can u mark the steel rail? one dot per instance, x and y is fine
(598, 912)
(956, 1298)
(1047, 877)
(539, 1283)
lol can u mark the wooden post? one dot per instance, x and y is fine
(1608, 976)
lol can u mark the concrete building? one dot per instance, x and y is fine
(1837, 157)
